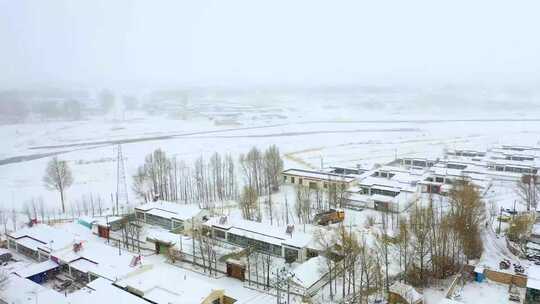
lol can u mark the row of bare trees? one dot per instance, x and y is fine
(434, 241)
(431, 242)
(354, 268)
(204, 182)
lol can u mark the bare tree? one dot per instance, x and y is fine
(249, 204)
(528, 189)
(467, 210)
(58, 177)
(4, 219)
(273, 165)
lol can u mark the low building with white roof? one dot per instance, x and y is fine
(173, 285)
(102, 291)
(293, 246)
(40, 240)
(317, 179)
(171, 216)
(23, 291)
(416, 162)
(91, 259)
(386, 188)
(439, 178)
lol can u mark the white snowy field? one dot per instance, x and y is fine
(307, 135)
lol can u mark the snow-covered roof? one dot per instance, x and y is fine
(105, 221)
(161, 213)
(29, 243)
(533, 283)
(479, 269)
(165, 284)
(263, 232)
(48, 237)
(382, 198)
(83, 265)
(37, 268)
(533, 272)
(102, 260)
(407, 292)
(309, 272)
(170, 210)
(23, 291)
(320, 175)
(102, 291)
(162, 235)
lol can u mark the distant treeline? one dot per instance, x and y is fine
(20, 106)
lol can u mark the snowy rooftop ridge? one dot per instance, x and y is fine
(264, 232)
(98, 258)
(45, 237)
(320, 175)
(170, 210)
(173, 285)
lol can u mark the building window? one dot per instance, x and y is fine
(158, 221)
(178, 224)
(285, 178)
(291, 255)
(292, 180)
(220, 234)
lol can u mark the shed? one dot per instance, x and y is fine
(479, 275)
(236, 269)
(86, 221)
(105, 225)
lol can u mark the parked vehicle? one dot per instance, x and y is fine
(329, 217)
(505, 264)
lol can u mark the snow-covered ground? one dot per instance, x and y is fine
(307, 136)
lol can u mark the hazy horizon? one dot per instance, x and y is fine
(277, 43)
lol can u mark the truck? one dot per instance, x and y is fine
(329, 217)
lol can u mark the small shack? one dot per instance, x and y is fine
(86, 221)
(236, 269)
(401, 293)
(479, 275)
(103, 226)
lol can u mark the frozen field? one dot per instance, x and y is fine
(307, 136)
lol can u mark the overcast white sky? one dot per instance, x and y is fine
(268, 42)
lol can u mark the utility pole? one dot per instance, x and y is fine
(121, 186)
